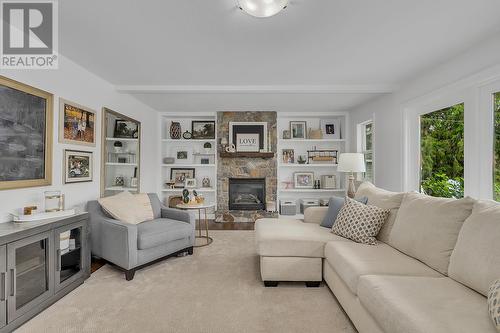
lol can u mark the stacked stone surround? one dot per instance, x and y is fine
(245, 167)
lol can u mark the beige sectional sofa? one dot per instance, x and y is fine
(429, 272)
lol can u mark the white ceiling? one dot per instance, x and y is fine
(180, 55)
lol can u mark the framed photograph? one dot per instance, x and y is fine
(237, 128)
(126, 129)
(179, 176)
(190, 183)
(182, 154)
(76, 124)
(203, 129)
(331, 128)
(288, 156)
(247, 142)
(77, 166)
(298, 129)
(26, 135)
(303, 179)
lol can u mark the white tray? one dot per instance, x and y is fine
(42, 216)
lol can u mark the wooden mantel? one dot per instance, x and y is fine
(246, 154)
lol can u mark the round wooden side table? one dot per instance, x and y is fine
(199, 208)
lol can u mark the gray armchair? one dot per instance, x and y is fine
(132, 247)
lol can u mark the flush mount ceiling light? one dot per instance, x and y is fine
(262, 8)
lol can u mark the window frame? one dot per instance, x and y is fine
(486, 117)
(361, 140)
(411, 145)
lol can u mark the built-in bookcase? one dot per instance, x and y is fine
(202, 160)
(300, 147)
(169, 148)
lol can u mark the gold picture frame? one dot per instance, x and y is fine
(23, 138)
(69, 133)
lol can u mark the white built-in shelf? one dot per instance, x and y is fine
(312, 140)
(122, 164)
(176, 165)
(120, 188)
(296, 165)
(188, 140)
(122, 139)
(199, 190)
(310, 190)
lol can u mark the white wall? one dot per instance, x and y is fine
(388, 112)
(74, 83)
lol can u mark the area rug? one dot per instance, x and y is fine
(218, 289)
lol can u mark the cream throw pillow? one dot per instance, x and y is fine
(127, 207)
(426, 228)
(475, 261)
(382, 199)
(359, 222)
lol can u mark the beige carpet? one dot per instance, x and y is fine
(218, 289)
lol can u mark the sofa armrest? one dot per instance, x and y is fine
(315, 214)
(178, 214)
(119, 242)
(111, 239)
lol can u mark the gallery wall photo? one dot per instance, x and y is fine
(26, 127)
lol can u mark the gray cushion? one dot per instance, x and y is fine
(335, 204)
(155, 205)
(160, 231)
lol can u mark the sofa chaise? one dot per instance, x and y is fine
(429, 272)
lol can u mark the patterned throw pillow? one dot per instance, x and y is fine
(360, 223)
(494, 303)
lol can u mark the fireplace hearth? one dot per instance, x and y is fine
(247, 193)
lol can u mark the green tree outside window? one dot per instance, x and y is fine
(442, 152)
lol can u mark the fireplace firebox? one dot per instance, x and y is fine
(247, 193)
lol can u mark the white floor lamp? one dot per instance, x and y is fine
(351, 163)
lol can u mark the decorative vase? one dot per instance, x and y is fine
(175, 130)
(185, 196)
(205, 182)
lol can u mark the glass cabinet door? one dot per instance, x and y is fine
(29, 273)
(3, 286)
(69, 254)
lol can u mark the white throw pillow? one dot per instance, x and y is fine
(427, 228)
(127, 208)
(494, 303)
(475, 260)
(360, 223)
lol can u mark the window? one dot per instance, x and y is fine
(496, 154)
(442, 152)
(367, 149)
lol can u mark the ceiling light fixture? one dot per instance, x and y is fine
(262, 8)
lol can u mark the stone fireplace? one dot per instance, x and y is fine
(247, 194)
(244, 181)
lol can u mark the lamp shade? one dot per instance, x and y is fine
(351, 162)
(262, 8)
